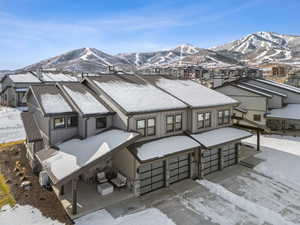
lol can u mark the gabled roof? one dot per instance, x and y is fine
(134, 95)
(84, 99)
(279, 85)
(262, 89)
(77, 155)
(51, 99)
(290, 111)
(253, 90)
(57, 77)
(190, 92)
(30, 126)
(24, 78)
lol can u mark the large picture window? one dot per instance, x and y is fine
(59, 123)
(101, 123)
(223, 117)
(72, 121)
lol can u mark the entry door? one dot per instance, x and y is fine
(211, 161)
(179, 167)
(152, 177)
(229, 156)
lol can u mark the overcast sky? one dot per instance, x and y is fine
(32, 30)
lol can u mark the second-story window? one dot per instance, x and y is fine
(59, 123)
(72, 121)
(100, 123)
(151, 127)
(141, 127)
(170, 123)
(178, 122)
(200, 120)
(223, 117)
(208, 119)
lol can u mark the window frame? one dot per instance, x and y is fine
(255, 119)
(173, 123)
(176, 123)
(198, 121)
(144, 129)
(226, 119)
(154, 127)
(210, 119)
(60, 126)
(69, 118)
(98, 118)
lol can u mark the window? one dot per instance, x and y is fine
(100, 123)
(208, 119)
(141, 127)
(72, 121)
(151, 127)
(223, 117)
(257, 117)
(200, 120)
(59, 122)
(178, 122)
(170, 123)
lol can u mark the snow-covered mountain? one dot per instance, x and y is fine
(263, 47)
(159, 58)
(83, 60)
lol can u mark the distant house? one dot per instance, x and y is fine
(14, 86)
(265, 102)
(147, 132)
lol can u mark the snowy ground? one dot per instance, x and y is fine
(24, 215)
(11, 125)
(269, 194)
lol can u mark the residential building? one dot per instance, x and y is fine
(268, 103)
(151, 131)
(14, 86)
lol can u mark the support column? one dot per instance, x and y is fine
(237, 152)
(258, 139)
(74, 196)
(221, 158)
(196, 164)
(200, 164)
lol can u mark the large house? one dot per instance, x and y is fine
(147, 132)
(264, 102)
(14, 86)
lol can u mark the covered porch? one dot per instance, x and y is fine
(83, 173)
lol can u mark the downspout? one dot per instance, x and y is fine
(85, 127)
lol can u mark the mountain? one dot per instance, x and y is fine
(159, 58)
(263, 47)
(83, 60)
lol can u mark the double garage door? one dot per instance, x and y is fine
(211, 158)
(152, 176)
(229, 156)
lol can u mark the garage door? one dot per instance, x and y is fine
(179, 167)
(210, 161)
(152, 177)
(230, 155)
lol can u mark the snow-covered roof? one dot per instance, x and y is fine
(291, 111)
(84, 99)
(280, 85)
(136, 95)
(190, 92)
(51, 99)
(253, 90)
(56, 77)
(165, 146)
(24, 78)
(220, 136)
(264, 89)
(75, 154)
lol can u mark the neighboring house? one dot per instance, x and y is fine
(14, 86)
(265, 102)
(153, 130)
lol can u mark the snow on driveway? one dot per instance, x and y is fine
(24, 215)
(281, 155)
(149, 216)
(11, 125)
